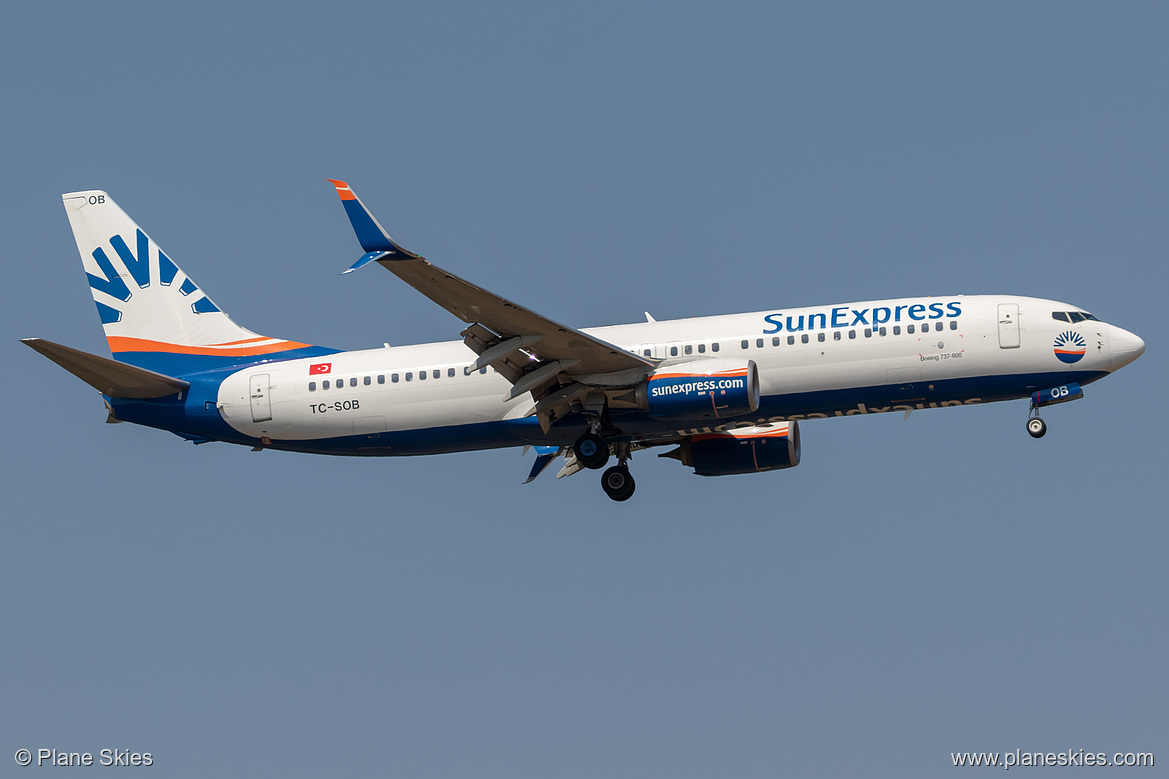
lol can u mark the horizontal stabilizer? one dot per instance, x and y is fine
(109, 377)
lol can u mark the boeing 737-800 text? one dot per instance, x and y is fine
(727, 393)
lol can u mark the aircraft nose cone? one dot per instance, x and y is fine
(1126, 347)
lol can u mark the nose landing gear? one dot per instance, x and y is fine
(1036, 427)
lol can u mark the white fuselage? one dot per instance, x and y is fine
(813, 362)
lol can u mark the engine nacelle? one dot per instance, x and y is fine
(745, 450)
(701, 389)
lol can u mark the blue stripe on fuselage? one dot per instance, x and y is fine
(195, 416)
(192, 412)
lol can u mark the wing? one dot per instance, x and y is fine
(558, 364)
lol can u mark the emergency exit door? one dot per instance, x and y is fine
(261, 404)
(1009, 325)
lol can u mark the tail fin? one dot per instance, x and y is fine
(154, 315)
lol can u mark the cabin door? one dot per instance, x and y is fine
(1009, 325)
(261, 403)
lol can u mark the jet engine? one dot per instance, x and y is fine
(700, 389)
(744, 450)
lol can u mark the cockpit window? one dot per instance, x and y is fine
(1073, 316)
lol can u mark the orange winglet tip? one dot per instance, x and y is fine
(343, 189)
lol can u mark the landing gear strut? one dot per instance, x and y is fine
(1036, 427)
(591, 451)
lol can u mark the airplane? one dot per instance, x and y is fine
(727, 393)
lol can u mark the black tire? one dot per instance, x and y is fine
(591, 451)
(1036, 427)
(618, 484)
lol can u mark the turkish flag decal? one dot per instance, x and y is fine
(320, 367)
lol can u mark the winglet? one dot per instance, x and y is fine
(374, 239)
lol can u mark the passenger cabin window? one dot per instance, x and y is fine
(909, 329)
(436, 374)
(791, 340)
(883, 331)
(820, 337)
(938, 326)
(702, 348)
(746, 344)
(836, 335)
(804, 338)
(896, 329)
(714, 347)
(775, 341)
(450, 372)
(325, 384)
(367, 380)
(422, 375)
(868, 332)
(645, 352)
(381, 379)
(394, 378)
(851, 334)
(353, 382)
(758, 343)
(689, 348)
(409, 376)
(953, 324)
(312, 386)
(673, 351)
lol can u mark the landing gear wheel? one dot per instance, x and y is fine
(617, 482)
(1036, 427)
(591, 451)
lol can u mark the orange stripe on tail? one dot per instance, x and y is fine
(126, 344)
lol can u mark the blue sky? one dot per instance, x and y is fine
(913, 589)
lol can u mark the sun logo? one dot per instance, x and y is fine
(141, 271)
(1070, 346)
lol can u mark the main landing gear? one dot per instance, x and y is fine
(618, 484)
(592, 452)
